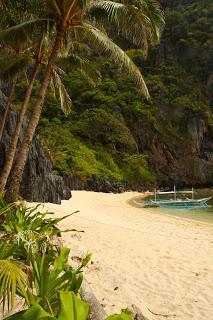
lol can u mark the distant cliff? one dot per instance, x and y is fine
(186, 161)
(39, 184)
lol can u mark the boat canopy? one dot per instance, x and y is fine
(174, 192)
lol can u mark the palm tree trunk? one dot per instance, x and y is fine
(14, 185)
(7, 107)
(14, 140)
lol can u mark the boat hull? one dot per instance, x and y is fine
(179, 203)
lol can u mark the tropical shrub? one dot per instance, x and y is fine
(17, 217)
(33, 267)
(70, 307)
(38, 271)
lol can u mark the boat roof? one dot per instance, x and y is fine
(174, 192)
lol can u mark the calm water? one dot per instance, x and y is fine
(203, 214)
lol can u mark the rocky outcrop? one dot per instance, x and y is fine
(107, 185)
(39, 184)
(94, 184)
(188, 161)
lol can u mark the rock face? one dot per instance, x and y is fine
(39, 184)
(188, 163)
(94, 184)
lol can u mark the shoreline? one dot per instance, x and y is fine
(140, 256)
(161, 211)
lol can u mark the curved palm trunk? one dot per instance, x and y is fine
(14, 186)
(7, 107)
(14, 140)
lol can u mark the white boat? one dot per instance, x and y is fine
(177, 202)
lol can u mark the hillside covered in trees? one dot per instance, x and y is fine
(115, 138)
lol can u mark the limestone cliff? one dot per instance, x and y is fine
(39, 184)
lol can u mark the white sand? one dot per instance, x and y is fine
(140, 256)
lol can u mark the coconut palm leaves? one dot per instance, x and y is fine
(65, 100)
(138, 21)
(106, 46)
(12, 280)
(12, 64)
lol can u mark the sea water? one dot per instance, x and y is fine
(198, 213)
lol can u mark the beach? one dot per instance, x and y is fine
(141, 257)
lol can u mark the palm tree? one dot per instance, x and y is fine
(68, 57)
(13, 58)
(14, 62)
(34, 63)
(140, 19)
(23, 44)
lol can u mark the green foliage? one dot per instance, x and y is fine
(69, 302)
(71, 155)
(121, 316)
(13, 280)
(17, 217)
(35, 312)
(50, 275)
(71, 308)
(136, 171)
(108, 129)
(110, 120)
(47, 282)
(34, 268)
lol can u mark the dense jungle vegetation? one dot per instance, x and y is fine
(113, 132)
(102, 137)
(39, 40)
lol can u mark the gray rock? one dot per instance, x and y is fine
(39, 184)
(3, 98)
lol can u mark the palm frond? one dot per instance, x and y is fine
(135, 20)
(81, 3)
(11, 64)
(132, 53)
(22, 34)
(12, 279)
(84, 65)
(91, 74)
(71, 60)
(7, 250)
(106, 46)
(65, 100)
(52, 88)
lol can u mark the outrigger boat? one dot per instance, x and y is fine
(177, 202)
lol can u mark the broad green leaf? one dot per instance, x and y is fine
(120, 316)
(16, 316)
(62, 259)
(72, 308)
(34, 313)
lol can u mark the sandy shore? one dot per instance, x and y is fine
(140, 256)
